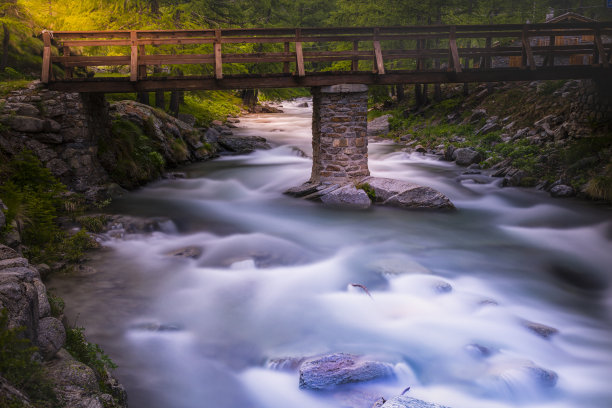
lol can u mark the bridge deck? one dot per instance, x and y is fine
(275, 58)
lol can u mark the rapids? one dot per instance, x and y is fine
(452, 293)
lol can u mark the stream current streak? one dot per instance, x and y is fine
(452, 293)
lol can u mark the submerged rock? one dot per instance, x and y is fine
(193, 252)
(402, 401)
(541, 330)
(243, 144)
(336, 369)
(347, 196)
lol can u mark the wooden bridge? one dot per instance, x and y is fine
(304, 57)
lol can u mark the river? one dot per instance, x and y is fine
(452, 294)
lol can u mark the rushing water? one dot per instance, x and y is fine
(451, 292)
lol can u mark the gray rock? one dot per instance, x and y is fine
(477, 115)
(14, 263)
(19, 296)
(513, 177)
(187, 118)
(51, 336)
(303, 105)
(22, 109)
(51, 138)
(27, 124)
(402, 194)
(448, 153)
(336, 369)
(193, 252)
(347, 196)
(540, 329)
(44, 308)
(562, 191)
(488, 128)
(379, 126)
(7, 253)
(243, 144)
(403, 401)
(52, 126)
(465, 156)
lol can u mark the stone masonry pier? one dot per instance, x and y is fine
(340, 176)
(339, 132)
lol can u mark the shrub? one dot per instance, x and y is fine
(89, 354)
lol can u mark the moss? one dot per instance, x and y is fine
(369, 190)
(179, 150)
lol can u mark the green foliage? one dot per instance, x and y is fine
(549, 87)
(600, 186)
(74, 247)
(280, 94)
(93, 223)
(369, 190)
(207, 106)
(57, 304)
(19, 367)
(32, 196)
(89, 354)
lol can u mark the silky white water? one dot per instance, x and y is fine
(451, 292)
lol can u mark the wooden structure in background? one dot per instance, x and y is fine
(302, 56)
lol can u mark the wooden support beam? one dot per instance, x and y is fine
(142, 67)
(299, 54)
(551, 55)
(68, 70)
(380, 64)
(218, 56)
(355, 61)
(453, 53)
(600, 51)
(134, 56)
(487, 59)
(527, 52)
(286, 68)
(46, 63)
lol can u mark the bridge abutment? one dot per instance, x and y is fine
(339, 132)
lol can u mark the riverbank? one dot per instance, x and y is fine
(553, 135)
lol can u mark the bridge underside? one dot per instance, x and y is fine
(190, 83)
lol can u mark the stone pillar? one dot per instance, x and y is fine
(339, 132)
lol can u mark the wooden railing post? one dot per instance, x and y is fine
(299, 54)
(527, 53)
(380, 65)
(355, 61)
(218, 57)
(489, 48)
(286, 68)
(600, 57)
(46, 63)
(551, 53)
(134, 56)
(67, 70)
(453, 53)
(142, 68)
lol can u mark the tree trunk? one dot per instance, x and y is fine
(425, 96)
(399, 90)
(6, 39)
(174, 103)
(418, 96)
(249, 97)
(160, 101)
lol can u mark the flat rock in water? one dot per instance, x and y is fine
(336, 369)
(397, 193)
(347, 197)
(403, 401)
(464, 156)
(193, 252)
(243, 144)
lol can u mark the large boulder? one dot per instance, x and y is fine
(347, 196)
(397, 193)
(465, 156)
(379, 126)
(18, 295)
(332, 370)
(562, 191)
(402, 401)
(51, 336)
(27, 124)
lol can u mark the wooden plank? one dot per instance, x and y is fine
(601, 52)
(218, 58)
(68, 71)
(96, 43)
(299, 55)
(380, 64)
(454, 54)
(163, 59)
(134, 56)
(355, 61)
(46, 63)
(286, 68)
(177, 41)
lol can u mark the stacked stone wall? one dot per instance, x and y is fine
(339, 132)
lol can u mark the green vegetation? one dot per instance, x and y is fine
(93, 223)
(19, 367)
(369, 190)
(89, 354)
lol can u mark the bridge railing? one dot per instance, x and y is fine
(303, 51)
